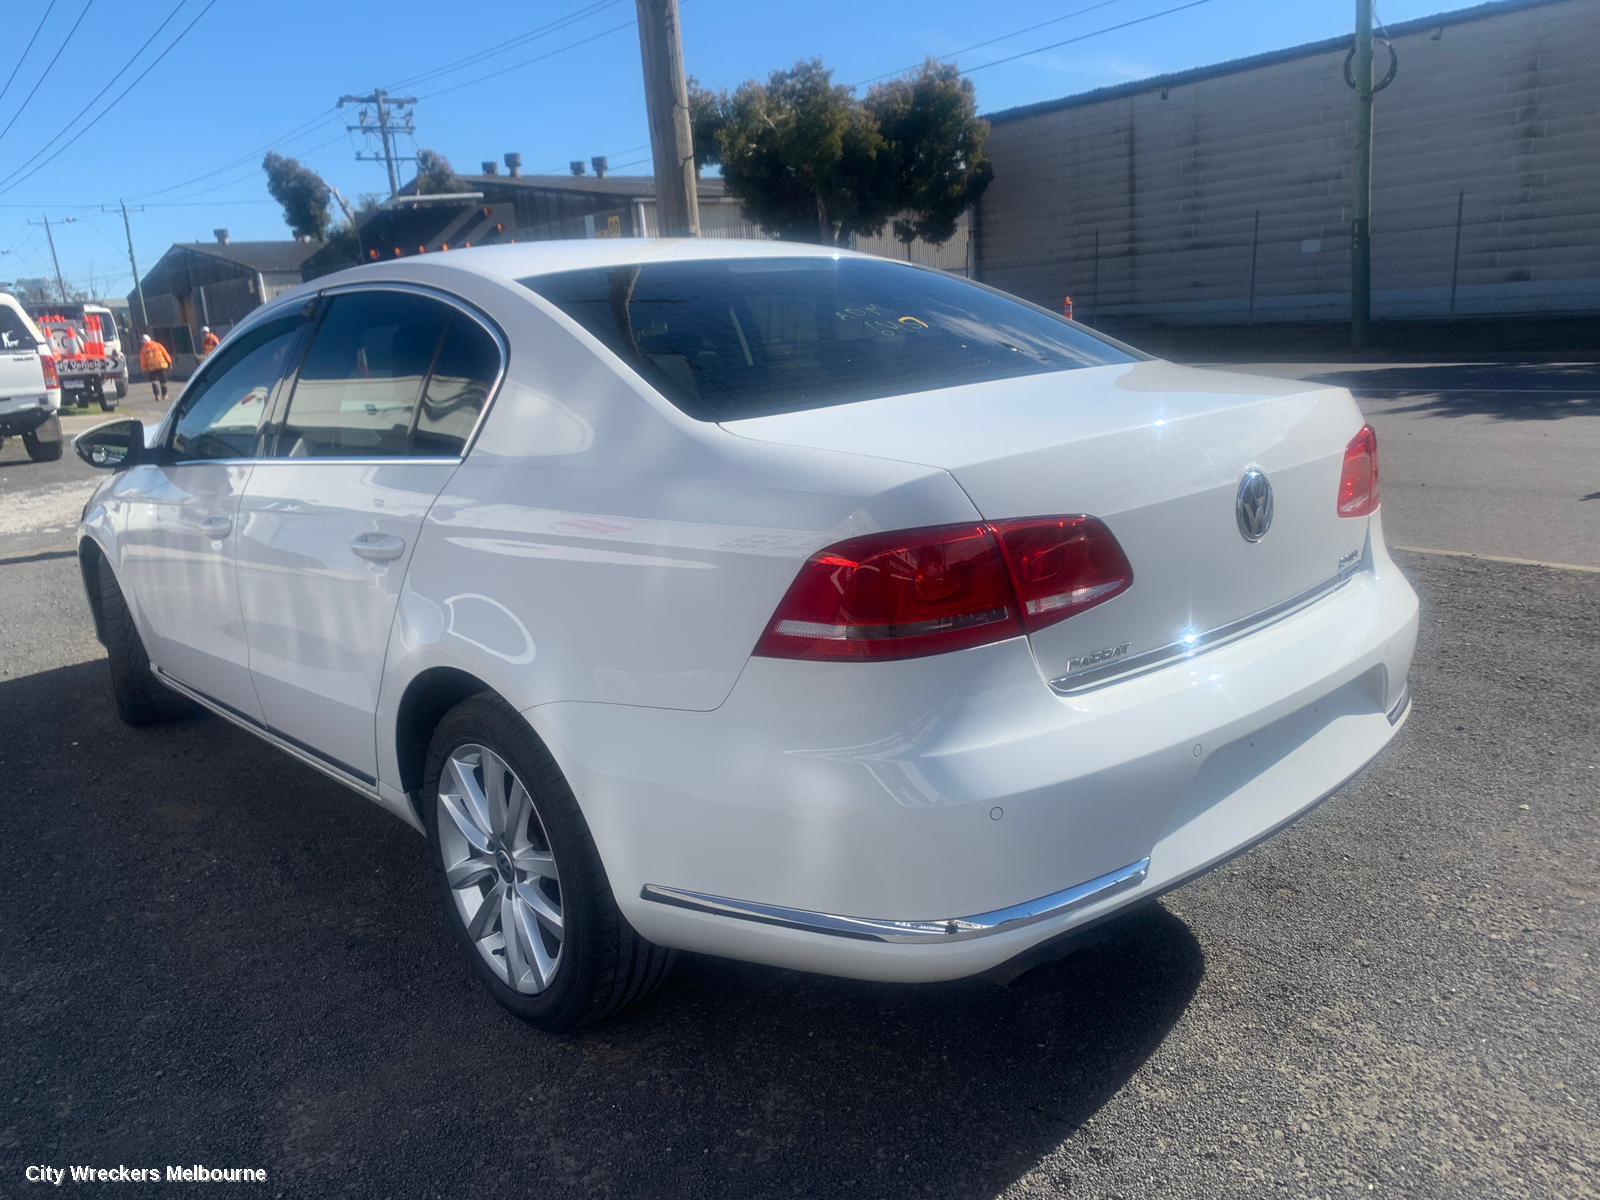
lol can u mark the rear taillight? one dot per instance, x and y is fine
(927, 591)
(52, 377)
(1358, 481)
(1061, 566)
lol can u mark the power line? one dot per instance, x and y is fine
(45, 74)
(1004, 37)
(37, 30)
(499, 48)
(1083, 37)
(321, 118)
(95, 121)
(108, 85)
(528, 62)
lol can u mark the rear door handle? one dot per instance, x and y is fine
(377, 547)
(216, 527)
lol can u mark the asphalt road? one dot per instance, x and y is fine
(211, 954)
(1498, 458)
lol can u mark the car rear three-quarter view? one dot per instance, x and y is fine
(773, 602)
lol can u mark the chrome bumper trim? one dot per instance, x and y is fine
(1150, 660)
(877, 930)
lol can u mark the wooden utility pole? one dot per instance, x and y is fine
(385, 128)
(138, 284)
(666, 95)
(51, 238)
(1361, 202)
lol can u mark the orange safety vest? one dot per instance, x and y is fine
(209, 343)
(153, 356)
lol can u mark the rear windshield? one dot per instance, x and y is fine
(725, 339)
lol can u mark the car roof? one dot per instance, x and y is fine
(519, 260)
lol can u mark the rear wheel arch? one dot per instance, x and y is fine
(424, 703)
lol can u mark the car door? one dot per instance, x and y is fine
(370, 431)
(179, 512)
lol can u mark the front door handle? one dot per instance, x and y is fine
(377, 547)
(216, 527)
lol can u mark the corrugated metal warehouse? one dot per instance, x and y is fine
(1224, 194)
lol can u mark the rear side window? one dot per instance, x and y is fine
(457, 390)
(748, 337)
(14, 331)
(357, 392)
(222, 409)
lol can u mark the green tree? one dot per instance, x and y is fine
(807, 159)
(435, 175)
(34, 289)
(935, 149)
(708, 116)
(302, 193)
(800, 153)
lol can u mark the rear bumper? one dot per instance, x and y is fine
(24, 414)
(936, 818)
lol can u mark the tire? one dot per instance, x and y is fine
(41, 451)
(122, 387)
(141, 698)
(601, 964)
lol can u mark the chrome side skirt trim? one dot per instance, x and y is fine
(877, 930)
(1150, 660)
(332, 771)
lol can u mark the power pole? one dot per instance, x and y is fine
(51, 238)
(384, 104)
(138, 284)
(1361, 202)
(666, 95)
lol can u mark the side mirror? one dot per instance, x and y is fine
(112, 446)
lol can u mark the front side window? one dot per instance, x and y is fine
(223, 409)
(357, 392)
(726, 339)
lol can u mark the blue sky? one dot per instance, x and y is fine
(247, 73)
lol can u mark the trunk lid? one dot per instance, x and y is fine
(1157, 452)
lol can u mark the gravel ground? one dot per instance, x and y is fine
(210, 954)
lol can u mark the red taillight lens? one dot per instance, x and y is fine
(896, 595)
(927, 591)
(52, 377)
(1358, 481)
(1062, 566)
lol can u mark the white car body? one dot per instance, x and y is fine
(605, 563)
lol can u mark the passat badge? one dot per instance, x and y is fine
(1254, 505)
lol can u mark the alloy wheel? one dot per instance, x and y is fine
(500, 868)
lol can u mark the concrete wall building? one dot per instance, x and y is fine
(1224, 194)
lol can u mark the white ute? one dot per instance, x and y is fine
(30, 389)
(755, 599)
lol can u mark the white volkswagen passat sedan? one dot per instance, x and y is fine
(755, 599)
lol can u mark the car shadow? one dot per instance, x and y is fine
(224, 958)
(1519, 391)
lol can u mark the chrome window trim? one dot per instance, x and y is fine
(1212, 639)
(870, 929)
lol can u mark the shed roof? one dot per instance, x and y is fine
(284, 256)
(628, 186)
(1272, 57)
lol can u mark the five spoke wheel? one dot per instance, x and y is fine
(500, 868)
